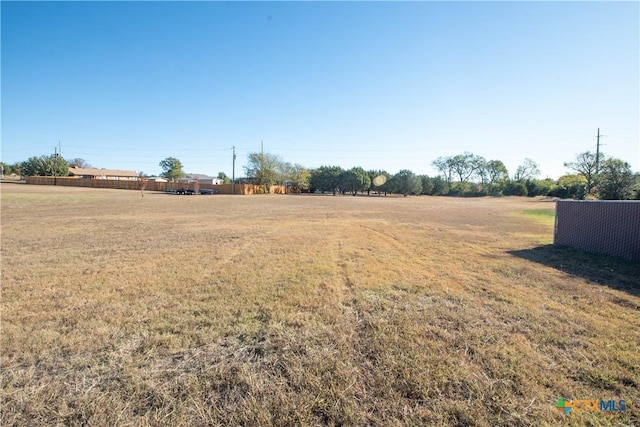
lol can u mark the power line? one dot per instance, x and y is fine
(144, 149)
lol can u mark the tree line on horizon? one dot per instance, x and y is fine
(463, 175)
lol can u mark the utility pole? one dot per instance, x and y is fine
(57, 154)
(598, 152)
(233, 172)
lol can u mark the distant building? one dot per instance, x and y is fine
(93, 173)
(156, 179)
(202, 179)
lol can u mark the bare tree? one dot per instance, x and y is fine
(143, 183)
(79, 163)
(526, 171)
(196, 186)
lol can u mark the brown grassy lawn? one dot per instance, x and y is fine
(305, 310)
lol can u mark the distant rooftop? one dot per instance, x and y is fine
(101, 172)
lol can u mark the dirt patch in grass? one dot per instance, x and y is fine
(261, 310)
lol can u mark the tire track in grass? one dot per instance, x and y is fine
(417, 266)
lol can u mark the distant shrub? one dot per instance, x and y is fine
(516, 189)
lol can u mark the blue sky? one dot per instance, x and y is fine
(389, 86)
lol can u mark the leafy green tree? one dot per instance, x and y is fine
(570, 187)
(16, 168)
(466, 189)
(372, 175)
(440, 186)
(497, 177)
(5, 168)
(381, 188)
(172, 169)
(539, 187)
(445, 165)
(480, 168)
(326, 178)
(265, 169)
(34, 166)
(616, 180)
(515, 188)
(427, 185)
(298, 176)
(527, 170)
(354, 180)
(53, 165)
(405, 182)
(496, 172)
(464, 166)
(223, 176)
(586, 164)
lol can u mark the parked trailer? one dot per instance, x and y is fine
(187, 192)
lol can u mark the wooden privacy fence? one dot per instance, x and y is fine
(151, 185)
(605, 227)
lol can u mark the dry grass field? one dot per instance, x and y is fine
(171, 310)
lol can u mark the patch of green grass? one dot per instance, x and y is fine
(544, 215)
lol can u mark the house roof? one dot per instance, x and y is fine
(198, 176)
(101, 172)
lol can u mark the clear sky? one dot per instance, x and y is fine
(380, 85)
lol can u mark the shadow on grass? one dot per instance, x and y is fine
(605, 270)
